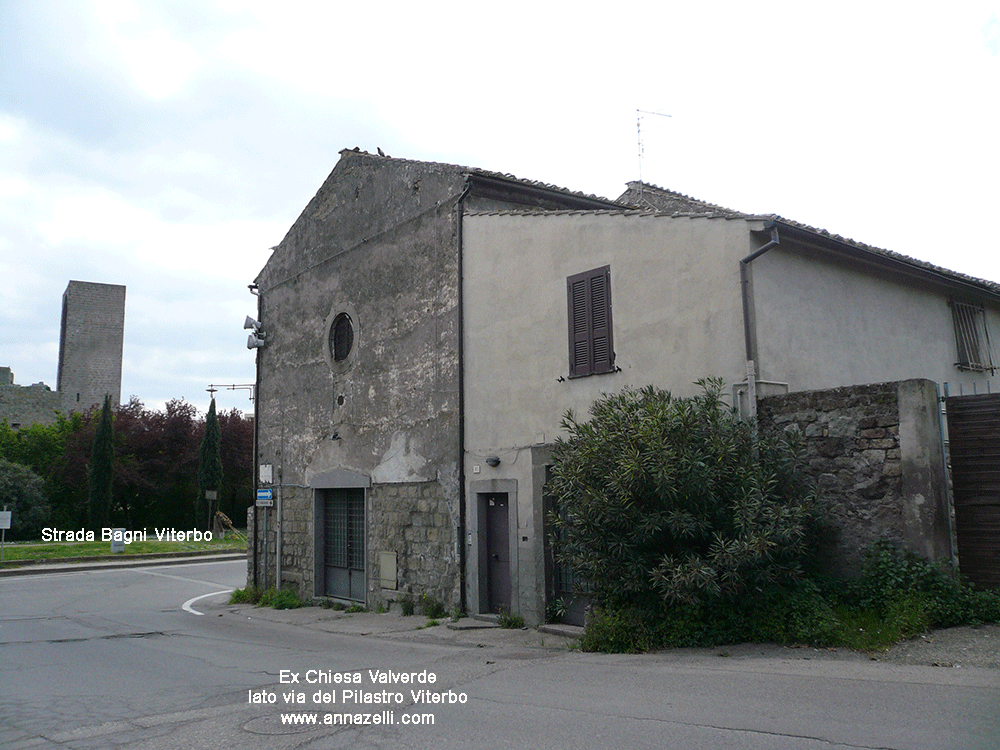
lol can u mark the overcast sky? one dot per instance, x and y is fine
(167, 146)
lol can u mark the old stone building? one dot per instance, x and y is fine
(422, 329)
(90, 359)
(359, 399)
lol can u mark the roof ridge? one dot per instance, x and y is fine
(357, 151)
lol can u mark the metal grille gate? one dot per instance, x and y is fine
(344, 543)
(974, 439)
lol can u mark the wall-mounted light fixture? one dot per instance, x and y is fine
(493, 461)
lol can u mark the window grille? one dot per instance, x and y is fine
(972, 337)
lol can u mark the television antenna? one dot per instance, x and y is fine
(638, 129)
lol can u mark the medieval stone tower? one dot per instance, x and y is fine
(90, 346)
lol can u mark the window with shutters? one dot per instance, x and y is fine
(591, 349)
(972, 338)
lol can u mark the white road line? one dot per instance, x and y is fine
(187, 605)
(175, 578)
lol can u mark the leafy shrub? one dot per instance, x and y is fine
(624, 631)
(406, 605)
(897, 585)
(677, 501)
(22, 492)
(555, 610)
(898, 596)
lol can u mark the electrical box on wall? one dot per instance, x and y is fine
(387, 570)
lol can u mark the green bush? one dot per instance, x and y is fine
(22, 492)
(624, 631)
(407, 605)
(677, 501)
(898, 596)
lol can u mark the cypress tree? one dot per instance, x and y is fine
(209, 467)
(101, 472)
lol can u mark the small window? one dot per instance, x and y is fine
(591, 349)
(972, 337)
(341, 337)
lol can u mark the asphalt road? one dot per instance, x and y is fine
(111, 658)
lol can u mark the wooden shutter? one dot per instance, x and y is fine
(591, 349)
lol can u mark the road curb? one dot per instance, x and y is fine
(73, 565)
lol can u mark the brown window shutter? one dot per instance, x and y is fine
(600, 305)
(591, 348)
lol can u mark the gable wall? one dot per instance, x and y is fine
(377, 242)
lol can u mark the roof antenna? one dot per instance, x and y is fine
(638, 129)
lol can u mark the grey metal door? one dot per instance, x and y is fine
(497, 552)
(344, 543)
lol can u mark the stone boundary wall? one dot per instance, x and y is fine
(25, 405)
(875, 453)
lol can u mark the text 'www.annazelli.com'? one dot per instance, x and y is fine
(360, 719)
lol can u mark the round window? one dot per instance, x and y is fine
(341, 337)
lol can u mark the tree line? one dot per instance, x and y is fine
(46, 471)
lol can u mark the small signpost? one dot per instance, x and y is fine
(265, 498)
(4, 525)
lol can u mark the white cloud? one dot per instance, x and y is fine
(873, 121)
(160, 64)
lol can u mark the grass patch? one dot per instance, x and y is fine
(42, 551)
(510, 621)
(271, 597)
(249, 595)
(432, 608)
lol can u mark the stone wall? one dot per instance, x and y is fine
(415, 522)
(24, 405)
(875, 453)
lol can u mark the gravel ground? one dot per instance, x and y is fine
(953, 647)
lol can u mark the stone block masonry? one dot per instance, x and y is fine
(414, 521)
(90, 359)
(875, 453)
(90, 345)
